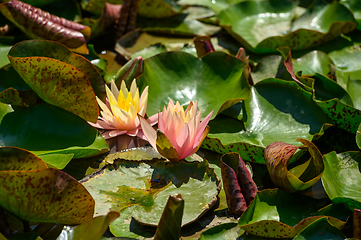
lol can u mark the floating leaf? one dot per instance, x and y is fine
(267, 25)
(169, 227)
(278, 155)
(147, 185)
(93, 229)
(39, 24)
(273, 214)
(320, 229)
(17, 159)
(216, 74)
(296, 113)
(342, 178)
(45, 195)
(185, 23)
(57, 82)
(220, 232)
(56, 131)
(156, 9)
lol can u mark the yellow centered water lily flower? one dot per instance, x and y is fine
(120, 114)
(180, 133)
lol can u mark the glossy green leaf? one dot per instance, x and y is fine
(215, 81)
(169, 226)
(44, 129)
(17, 159)
(278, 156)
(147, 186)
(215, 5)
(220, 232)
(267, 25)
(320, 229)
(341, 178)
(45, 195)
(184, 24)
(273, 214)
(296, 113)
(92, 229)
(4, 109)
(313, 62)
(156, 9)
(57, 160)
(355, 7)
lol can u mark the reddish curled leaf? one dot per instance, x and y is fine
(39, 24)
(277, 157)
(203, 45)
(17, 159)
(357, 223)
(169, 227)
(127, 18)
(45, 195)
(238, 184)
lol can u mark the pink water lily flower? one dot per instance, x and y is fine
(120, 114)
(180, 133)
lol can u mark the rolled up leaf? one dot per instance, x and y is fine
(278, 155)
(38, 24)
(357, 224)
(203, 45)
(169, 227)
(238, 184)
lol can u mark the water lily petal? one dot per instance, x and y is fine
(202, 126)
(149, 132)
(124, 89)
(102, 124)
(114, 89)
(113, 133)
(182, 141)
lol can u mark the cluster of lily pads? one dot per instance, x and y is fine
(102, 141)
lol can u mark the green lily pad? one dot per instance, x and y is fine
(4, 109)
(157, 8)
(45, 195)
(59, 76)
(267, 25)
(313, 62)
(296, 113)
(273, 214)
(320, 229)
(220, 232)
(215, 81)
(184, 24)
(57, 160)
(355, 7)
(215, 5)
(341, 178)
(44, 129)
(146, 186)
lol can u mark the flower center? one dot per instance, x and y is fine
(125, 103)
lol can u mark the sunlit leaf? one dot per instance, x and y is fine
(341, 178)
(93, 229)
(267, 25)
(45, 195)
(147, 186)
(215, 81)
(17, 159)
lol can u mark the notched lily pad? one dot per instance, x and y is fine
(146, 186)
(267, 25)
(273, 214)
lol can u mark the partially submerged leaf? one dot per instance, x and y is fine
(39, 24)
(278, 155)
(169, 226)
(45, 195)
